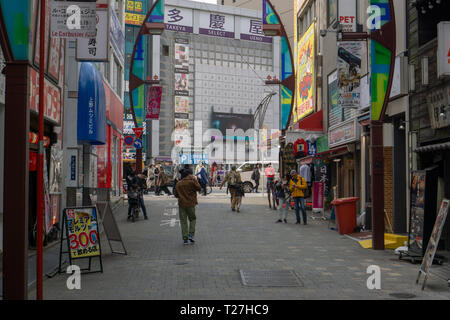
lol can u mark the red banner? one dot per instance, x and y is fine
(318, 195)
(153, 102)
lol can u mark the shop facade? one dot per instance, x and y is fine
(429, 113)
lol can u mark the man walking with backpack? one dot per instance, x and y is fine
(235, 185)
(186, 192)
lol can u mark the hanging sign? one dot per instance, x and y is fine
(96, 48)
(154, 94)
(349, 74)
(318, 195)
(73, 19)
(82, 232)
(443, 51)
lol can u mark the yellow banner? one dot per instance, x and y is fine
(134, 18)
(306, 85)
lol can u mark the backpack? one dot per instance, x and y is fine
(253, 177)
(233, 179)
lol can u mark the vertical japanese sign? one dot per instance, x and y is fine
(82, 232)
(318, 195)
(321, 174)
(96, 48)
(349, 74)
(154, 94)
(306, 78)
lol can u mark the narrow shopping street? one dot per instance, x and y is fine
(327, 265)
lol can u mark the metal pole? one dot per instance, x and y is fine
(40, 177)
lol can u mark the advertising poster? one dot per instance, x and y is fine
(82, 232)
(181, 84)
(181, 124)
(134, 12)
(418, 186)
(181, 105)
(349, 73)
(154, 94)
(181, 57)
(305, 70)
(435, 236)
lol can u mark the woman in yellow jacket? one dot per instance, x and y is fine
(298, 185)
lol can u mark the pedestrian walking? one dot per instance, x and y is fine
(256, 176)
(150, 177)
(282, 188)
(233, 178)
(202, 177)
(163, 181)
(186, 192)
(156, 172)
(298, 185)
(176, 175)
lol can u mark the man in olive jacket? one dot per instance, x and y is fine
(186, 192)
(298, 185)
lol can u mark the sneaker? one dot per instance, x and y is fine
(279, 220)
(185, 242)
(232, 209)
(146, 218)
(285, 221)
(238, 210)
(191, 239)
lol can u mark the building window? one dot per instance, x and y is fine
(429, 18)
(332, 9)
(305, 20)
(165, 51)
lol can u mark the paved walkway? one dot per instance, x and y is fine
(158, 266)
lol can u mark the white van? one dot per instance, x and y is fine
(246, 170)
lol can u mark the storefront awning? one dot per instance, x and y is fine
(312, 123)
(434, 147)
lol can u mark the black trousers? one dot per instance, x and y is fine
(165, 189)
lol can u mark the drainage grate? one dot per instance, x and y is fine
(269, 278)
(401, 295)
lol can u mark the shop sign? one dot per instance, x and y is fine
(349, 74)
(96, 48)
(52, 104)
(216, 24)
(443, 52)
(342, 134)
(116, 35)
(251, 29)
(318, 195)
(73, 19)
(305, 75)
(347, 15)
(438, 102)
(178, 19)
(82, 232)
(312, 148)
(322, 144)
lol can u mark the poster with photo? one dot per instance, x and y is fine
(349, 73)
(181, 124)
(181, 84)
(181, 104)
(181, 58)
